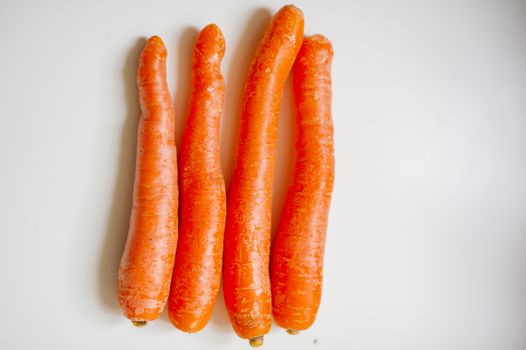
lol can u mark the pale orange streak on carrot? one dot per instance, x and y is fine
(147, 263)
(297, 253)
(247, 235)
(197, 272)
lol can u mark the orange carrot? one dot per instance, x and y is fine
(197, 271)
(147, 263)
(297, 253)
(247, 234)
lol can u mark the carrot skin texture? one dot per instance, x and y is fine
(147, 262)
(247, 233)
(297, 253)
(197, 271)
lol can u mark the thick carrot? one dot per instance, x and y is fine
(247, 234)
(297, 253)
(147, 263)
(197, 271)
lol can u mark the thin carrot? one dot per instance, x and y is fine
(247, 234)
(147, 263)
(297, 253)
(197, 271)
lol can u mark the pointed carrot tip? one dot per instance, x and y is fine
(212, 27)
(291, 11)
(156, 44)
(318, 38)
(155, 40)
(212, 35)
(318, 41)
(213, 30)
(291, 7)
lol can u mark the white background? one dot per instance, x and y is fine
(426, 246)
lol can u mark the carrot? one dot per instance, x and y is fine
(147, 263)
(247, 234)
(197, 271)
(297, 253)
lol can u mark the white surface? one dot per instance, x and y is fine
(427, 241)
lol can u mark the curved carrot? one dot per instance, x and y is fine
(247, 234)
(147, 263)
(297, 253)
(197, 271)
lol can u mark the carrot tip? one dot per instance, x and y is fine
(156, 39)
(255, 342)
(293, 8)
(292, 331)
(139, 324)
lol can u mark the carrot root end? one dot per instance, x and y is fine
(255, 342)
(139, 324)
